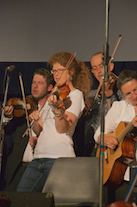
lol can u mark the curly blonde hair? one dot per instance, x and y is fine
(81, 78)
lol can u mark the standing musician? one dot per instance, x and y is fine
(93, 104)
(56, 126)
(125, 111)
(20, 155)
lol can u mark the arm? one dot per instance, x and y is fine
(134, 122)
(109, 141)
(8, 111)
(8, 114)
(33, 141)
(64, 122)
(37, 127)
(64, 119)
(111, 122)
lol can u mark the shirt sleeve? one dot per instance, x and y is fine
(110, 121)
(6, 119)
(77, 103)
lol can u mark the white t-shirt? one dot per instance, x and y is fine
(120, 111)
(28, 153)
(52, 144)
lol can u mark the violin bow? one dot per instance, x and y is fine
(116, 45)
(24, 100)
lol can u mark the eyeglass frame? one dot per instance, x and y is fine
(130, 94)
(60, 71)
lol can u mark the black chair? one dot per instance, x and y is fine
(74, 181)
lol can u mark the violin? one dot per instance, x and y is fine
(61, 92)
(19, 106)
(111, 83)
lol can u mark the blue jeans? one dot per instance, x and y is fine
(35, 175)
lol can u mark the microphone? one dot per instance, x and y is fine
(10, 68)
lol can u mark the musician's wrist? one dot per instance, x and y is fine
(58, 111)
(109, 94)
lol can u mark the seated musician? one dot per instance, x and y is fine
(121, 111)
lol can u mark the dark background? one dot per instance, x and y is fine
(27, 69)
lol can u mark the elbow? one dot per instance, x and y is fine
(61, 130)
(38, 130)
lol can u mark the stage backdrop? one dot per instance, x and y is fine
(33, 30)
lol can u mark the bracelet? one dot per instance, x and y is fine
(109, 96)
(57, 114)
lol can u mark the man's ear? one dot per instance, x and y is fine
(50, 87)
(111, 66)
(92, 71)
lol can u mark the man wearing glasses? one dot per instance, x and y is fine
(94, 101)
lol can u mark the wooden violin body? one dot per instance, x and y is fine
(19, 106)
(61, 92)
(110, 84)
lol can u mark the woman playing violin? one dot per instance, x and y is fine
(57, 124)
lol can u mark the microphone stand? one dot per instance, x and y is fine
(1, 122)
(105, 79)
